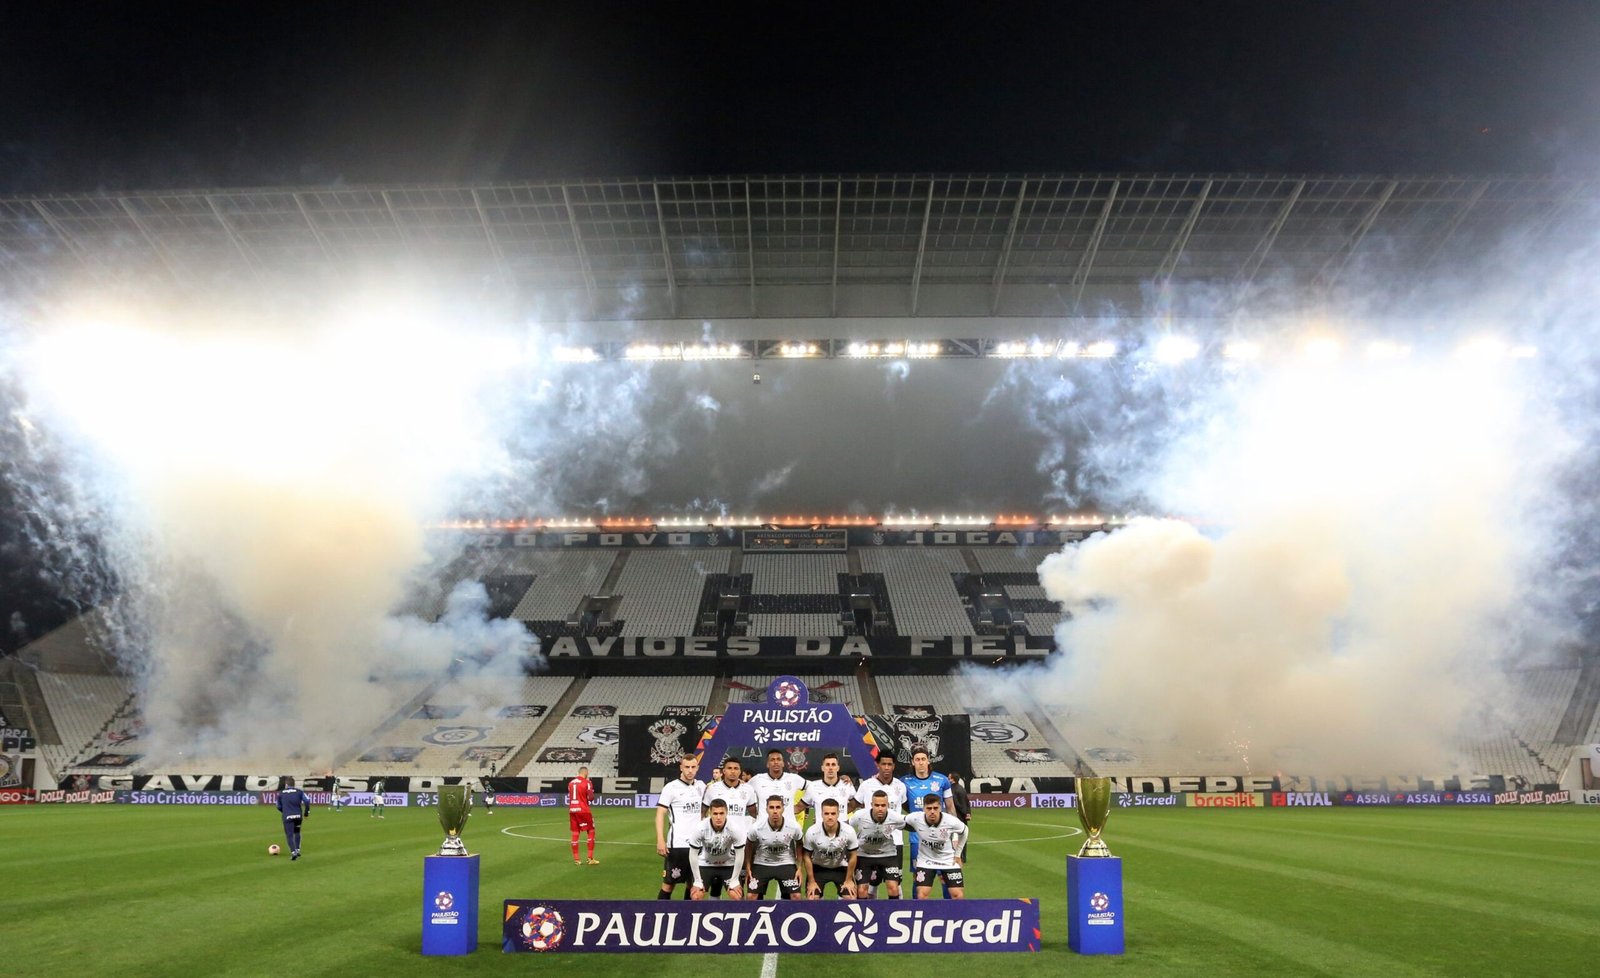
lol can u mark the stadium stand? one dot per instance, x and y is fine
(795, 625)
(562, 579)
(795, 573)
(660, 590)
(1005, 742)
(81, 707)
(590, 727)
(1022, 560)
(465, 726)
(922, 593)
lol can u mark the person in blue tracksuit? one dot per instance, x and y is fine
(295, 808)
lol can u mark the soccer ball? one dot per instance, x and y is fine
(543, 929)
(273, 850)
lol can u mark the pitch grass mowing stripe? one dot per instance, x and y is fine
(1386, 888)
(181, 893)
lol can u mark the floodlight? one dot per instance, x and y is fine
(1176, 349)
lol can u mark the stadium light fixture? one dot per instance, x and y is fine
(1484, 349)
(1387, 350)
(923, 350)
(1322, 349)
(576, 354)
(798, 350)
(1176, 349)
(1101, 350)
(653, 351)
(713, 351)
(1012, 349)
(1068, 349)
(1242, 350)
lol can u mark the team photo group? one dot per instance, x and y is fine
(740, 835)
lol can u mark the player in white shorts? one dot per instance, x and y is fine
(770, 852)
(877, 827)
(681, 802)
(940, 839)
(828, 851)
(377, 800)
(716, 854)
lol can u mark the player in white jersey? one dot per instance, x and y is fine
(716, 850)
(732, 789)
(769, 852)
(828, 851)
(877, 827)
(830, 785)
(883, 781)
(776, 781)
(680, 803)
(940, 839)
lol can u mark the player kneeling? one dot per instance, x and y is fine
(829, 852)
(769, 852)
(940, 839)
(716, 852)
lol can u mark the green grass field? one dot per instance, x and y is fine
(133, 891)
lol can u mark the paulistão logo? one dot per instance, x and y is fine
(855, 927)
(444, 901)
(1099, 902)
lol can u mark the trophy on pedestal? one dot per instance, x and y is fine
(1094, 805)
(455, 804)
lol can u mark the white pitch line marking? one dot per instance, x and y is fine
(769, 965)
(553, 838)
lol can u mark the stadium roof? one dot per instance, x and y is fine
(891, 244)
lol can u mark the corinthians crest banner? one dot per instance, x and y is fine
(790, 927)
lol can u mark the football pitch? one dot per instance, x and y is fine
(191, 892)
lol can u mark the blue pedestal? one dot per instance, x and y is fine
(1094, 905)
(449, 904)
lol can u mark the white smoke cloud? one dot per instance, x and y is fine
(1370, 545)
(257, 487)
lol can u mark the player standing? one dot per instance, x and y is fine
(580, 818)
(829, 854)
(730, 787)
(377, 800)
(920, 783)
(878, 829)
(776, 781)
(770, 852)
(716, 850)
(830, 785)
(680, 802)
(940, 837)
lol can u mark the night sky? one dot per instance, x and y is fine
(128, 96)
(144, 95)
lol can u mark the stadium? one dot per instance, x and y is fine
(454, 638)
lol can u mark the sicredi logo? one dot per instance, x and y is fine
(855, 928)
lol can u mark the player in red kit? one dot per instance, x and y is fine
(580, 792)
